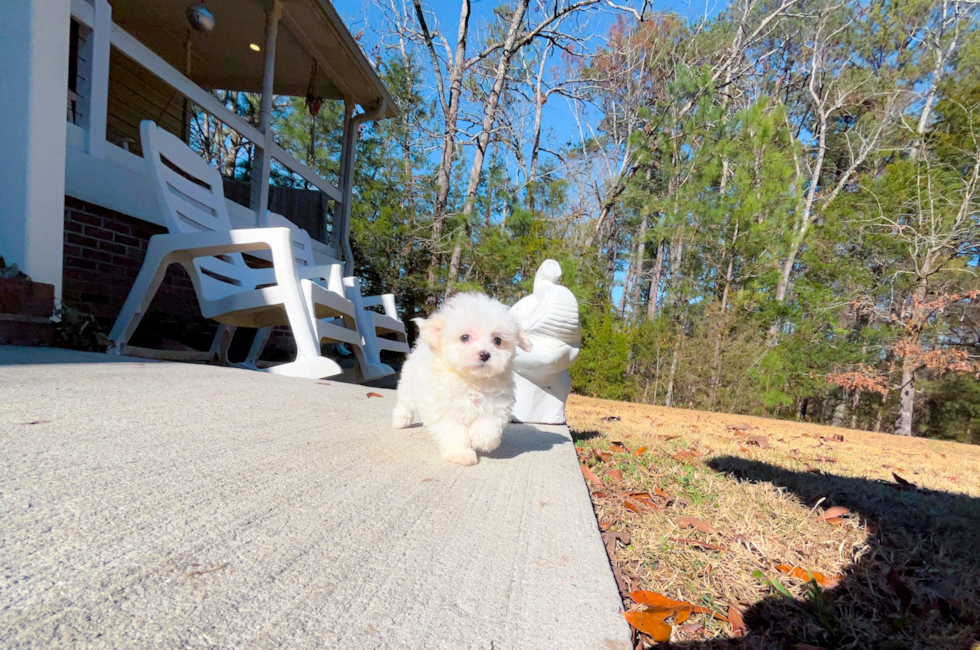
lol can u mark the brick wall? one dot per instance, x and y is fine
(104, 252)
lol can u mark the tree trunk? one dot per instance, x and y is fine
(493, 102)
(641, 252)
(855, 402)
(448, 141)
(722, 319)
(669, 399)
(658, 267)
(840, 409)
(911, 362)
(453, 274)
(630, 277)
(907, 398)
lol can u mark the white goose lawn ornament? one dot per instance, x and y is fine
(549, 316)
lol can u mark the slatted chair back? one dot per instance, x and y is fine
(192, 191)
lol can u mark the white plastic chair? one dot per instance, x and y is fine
(367, 350)
(201, 240)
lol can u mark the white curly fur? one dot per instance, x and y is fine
(462, 390)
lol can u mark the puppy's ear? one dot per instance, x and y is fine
(430, 330)
(523, 341)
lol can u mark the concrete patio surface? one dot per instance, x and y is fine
(169, 505)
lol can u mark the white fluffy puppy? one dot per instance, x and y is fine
(458, 379)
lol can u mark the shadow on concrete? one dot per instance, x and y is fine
(916, 586)
(19, 356)
(526, 438)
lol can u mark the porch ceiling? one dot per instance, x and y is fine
(222, 59)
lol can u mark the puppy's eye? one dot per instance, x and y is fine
(497, 341)
(464, 338)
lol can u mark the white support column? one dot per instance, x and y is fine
(95, 87)
(33, 96)
(261, 163)
(341, 216)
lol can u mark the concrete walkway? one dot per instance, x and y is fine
(170, 505)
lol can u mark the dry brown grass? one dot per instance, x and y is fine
(908, 558)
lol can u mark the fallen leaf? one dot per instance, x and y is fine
(604, 456)
(653, 599)
(632, 504)
(648, 472)
(736, 621)
(836, 511)
(616, 475)
(605, 525)
(835, 521)
(901, 589)
(661, 493)
(620, 580)
(323, 383)
(618, 447)
(611, 418)
(694, 522)
(694, 542)
(590, 475)
(684, 457)
(744, 450)
(825, 459)
(375, 395)
(649, 624)
(740, 427)
(827, 582)
(690, 629)
(758, 441)
(426, 480)
(610, 537)
(639, 451)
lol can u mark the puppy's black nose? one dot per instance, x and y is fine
(484, 356)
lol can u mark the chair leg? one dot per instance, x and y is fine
(258, 345)
(147, 283)
(309, 363)
(218, 354)
(369, 354)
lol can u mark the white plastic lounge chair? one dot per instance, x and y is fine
(367, 350)
(201, 240)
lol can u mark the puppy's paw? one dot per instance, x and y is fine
(462, 457)
(485, 435)
(401, 417)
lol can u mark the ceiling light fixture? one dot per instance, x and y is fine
(200, 17)
(254, 47)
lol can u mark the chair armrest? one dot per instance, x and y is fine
(185, 247)
(207, 244)
(331, 274)
(386, 300)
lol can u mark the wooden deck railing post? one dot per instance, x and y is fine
(260, 183)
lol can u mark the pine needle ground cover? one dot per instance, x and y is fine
(729, 531)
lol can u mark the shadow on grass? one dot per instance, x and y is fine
(579, 436)
(916, 586)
